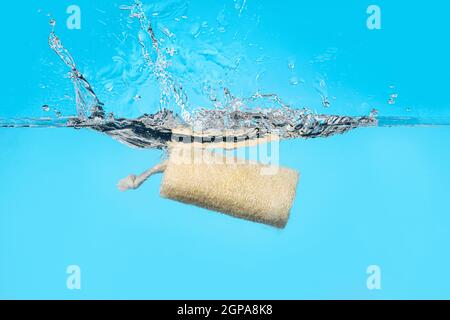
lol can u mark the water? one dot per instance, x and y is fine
(155, 131)
(376, 195)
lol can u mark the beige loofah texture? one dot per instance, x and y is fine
(238, 188)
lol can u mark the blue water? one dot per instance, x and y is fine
(374, 196)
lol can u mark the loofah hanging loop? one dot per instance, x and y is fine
(134, 182)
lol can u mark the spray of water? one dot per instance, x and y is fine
(87, 101)
(245, 118)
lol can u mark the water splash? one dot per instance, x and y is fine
(157, 130)
(241, 118)
(87, 102)
(171, 91)
(322, 89)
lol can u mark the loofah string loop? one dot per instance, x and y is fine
(134, 182)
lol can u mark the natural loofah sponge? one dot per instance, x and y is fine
(240, 188)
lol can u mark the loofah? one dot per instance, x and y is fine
(243, 189)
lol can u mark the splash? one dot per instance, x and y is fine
(87, 101)
(241, 118)
(171, 91)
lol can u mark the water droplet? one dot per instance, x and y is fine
(325, 102)
(137, 97)
(322, 84)
(194, 29)
(125, 7)
(167, 32)
(46, 108)
(109, 87)
(58, 114)
(52, 22)
(170, 51)
(392, 98)
(294, 81)
(213, 97)
(259, 75)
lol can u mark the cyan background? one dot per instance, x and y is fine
(373, 196)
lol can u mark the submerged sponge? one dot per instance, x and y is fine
(243, 189)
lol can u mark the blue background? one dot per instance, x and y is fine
(375, 196)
